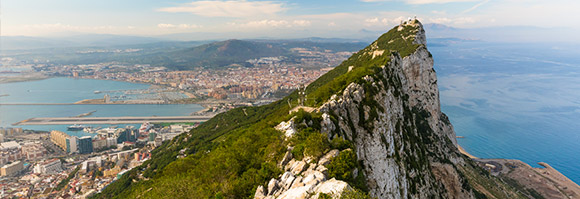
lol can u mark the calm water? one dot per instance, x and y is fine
(516, 101)
(67, 90)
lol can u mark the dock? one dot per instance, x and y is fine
(111, 120)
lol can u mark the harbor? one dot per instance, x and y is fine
(111, 120)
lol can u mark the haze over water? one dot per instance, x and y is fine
(515, 101)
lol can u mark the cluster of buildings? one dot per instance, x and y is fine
(232, 83)
(114, 138)
(95, 173)
(12, 152)
(72, 144)
(4, 132)
(31, 168)
(267, 76)
(26, 168)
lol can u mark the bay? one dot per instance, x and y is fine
(69, 90)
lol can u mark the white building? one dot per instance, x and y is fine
(51, 166)
(73, 143)
(9, 152)
(11, 169)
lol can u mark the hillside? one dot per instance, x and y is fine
(373, 128)
(225, 53)
(190, 55)
(236, 52)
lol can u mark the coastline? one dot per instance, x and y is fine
(14, 79)
(464, 152)
(547, 181)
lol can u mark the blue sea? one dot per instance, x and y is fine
(513, 100)
(509, 100)
(69, 90)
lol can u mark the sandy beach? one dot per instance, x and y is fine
(465, 152)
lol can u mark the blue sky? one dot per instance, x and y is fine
(299, 18)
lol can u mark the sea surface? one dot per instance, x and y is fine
(508, 100)
(68, 90)
(513, 100)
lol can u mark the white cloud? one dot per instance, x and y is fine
(436, 12)
(301, 22)
(177, 26)
(273, 24)
(372, 20)
(435, 1)
(458, 21)
(381, 21)
(265, 23)
(232, 8)
(422, 1)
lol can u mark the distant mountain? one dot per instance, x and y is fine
(23, 42)
(224, 53)
(180, 55)
(438, 27)
(78, 40)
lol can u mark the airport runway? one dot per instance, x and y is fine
(111, 120)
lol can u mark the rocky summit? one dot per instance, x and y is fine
(370, 128)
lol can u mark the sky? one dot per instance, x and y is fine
(299, 18)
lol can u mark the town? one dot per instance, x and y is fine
(57, 165)
(265, 78)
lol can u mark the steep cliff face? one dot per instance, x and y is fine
(373, 124)
(394, 119)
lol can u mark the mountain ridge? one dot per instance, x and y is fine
(382, 104)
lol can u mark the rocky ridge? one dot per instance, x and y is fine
(393, 117)
(373, 125)
(305, 178)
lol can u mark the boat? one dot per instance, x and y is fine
(90, 129)
(145, 127)
(76, 127)
(97, 92)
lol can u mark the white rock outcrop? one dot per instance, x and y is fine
(288, 127)
(303, 179)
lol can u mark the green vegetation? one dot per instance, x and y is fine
(187, 55)
(530, 192)
(342, 167)
(354, 194)
(324, 196)
(485, 185)
(234, 152)
(363, 64)
(174, 123)
(229, 156)
(308, 141)
(65, 181)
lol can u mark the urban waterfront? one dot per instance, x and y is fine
(69, 90)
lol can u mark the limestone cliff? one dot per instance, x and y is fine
(372, 126)
(405, 143)
(409, 138)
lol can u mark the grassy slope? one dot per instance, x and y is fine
(234, 152)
